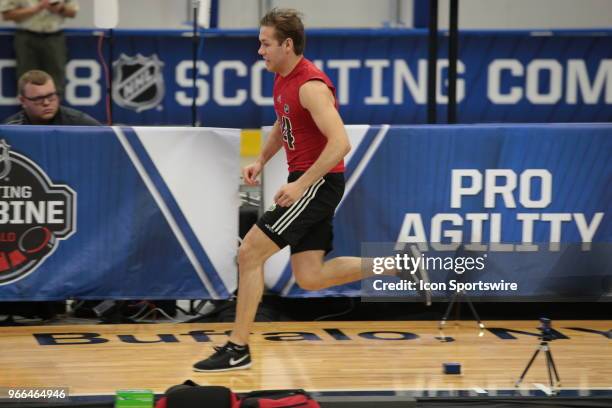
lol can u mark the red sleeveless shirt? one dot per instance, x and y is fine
(302, 139)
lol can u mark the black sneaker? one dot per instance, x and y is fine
(226, 358)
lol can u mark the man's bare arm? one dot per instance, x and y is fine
(316, 97)
(274, 142)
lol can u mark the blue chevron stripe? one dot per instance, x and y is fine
(357, 156)
(283, 280)
(182, 223)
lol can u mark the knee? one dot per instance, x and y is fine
(310, 279)
(247, 253)
(251, 252)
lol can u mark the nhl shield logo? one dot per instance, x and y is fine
(139, 84)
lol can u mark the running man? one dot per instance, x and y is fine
(310, 130)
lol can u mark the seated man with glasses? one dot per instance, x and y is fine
(41, 104)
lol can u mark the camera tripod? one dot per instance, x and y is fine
(550, 364)
(450, 308)
(460, 251)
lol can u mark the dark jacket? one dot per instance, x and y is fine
(65, 116)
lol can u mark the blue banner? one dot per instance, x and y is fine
(115, 212)
(97, 213)
(532, 202)
(381, 76)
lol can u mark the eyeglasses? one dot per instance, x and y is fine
(39, 100)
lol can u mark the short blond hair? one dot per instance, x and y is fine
(287, 23)
(34, 76)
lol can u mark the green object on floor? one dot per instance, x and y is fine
(134, 399)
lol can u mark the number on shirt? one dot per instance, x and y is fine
(288, 132)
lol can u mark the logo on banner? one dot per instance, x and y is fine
(34, 215)
(139, 82)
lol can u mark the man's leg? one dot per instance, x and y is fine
(26, 54)
(312, 273)
(256, 248)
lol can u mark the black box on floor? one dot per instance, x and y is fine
(44, 310)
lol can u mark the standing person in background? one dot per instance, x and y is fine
(39, 40)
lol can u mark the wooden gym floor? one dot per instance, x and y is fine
(321, 356)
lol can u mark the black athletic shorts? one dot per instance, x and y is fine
(308, 223)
